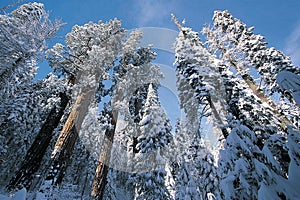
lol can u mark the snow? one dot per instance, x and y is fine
(19, 195)
(145, 120)
(290, 82)
(294, 150)
(2, 197)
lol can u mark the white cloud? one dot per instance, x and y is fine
(151, 13)
(293, 45)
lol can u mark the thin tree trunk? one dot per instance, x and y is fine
(284, 121)
(65, 143)
(103, 161)
(34, 155)
(217, 117)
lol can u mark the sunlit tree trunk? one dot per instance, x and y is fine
(65, 143)
(104, 158)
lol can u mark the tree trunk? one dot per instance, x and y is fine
(67, 138)
(34, 155)
(217, 117)
(284, 121)
(260, 94)
(105, 152)
(103, 161)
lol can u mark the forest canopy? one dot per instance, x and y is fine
(95, 127)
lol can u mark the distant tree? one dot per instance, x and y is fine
(134, 71)
(149, 178)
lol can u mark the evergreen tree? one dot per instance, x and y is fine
(197, 73)
(241, 106)
(194, 169)
(134, 71)
(259, 132)
(294, 167)
(150, 171)
(131, 136)
(243, 50)
(185, 184)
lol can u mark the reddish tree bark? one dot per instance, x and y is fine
(65, 143)
(104, 158)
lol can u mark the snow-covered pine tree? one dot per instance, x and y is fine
(198, 76)
(134, 71)
(294, 167)
(124, 149)
(250, 116)
(185, 186)
(247, 109)
(23, 34)
(248, 172)
(149, 178)
(198, 79)
(134, 74)
(38, 100)
(50, 99)
(193, 165)
(239, 179)
(236, 44)
(107, 148)
(23, 38)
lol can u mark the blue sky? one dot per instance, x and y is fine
(278, 20)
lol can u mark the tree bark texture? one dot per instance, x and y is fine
(103, 161)
(65, 143)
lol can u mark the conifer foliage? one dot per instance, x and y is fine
(155, 134)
